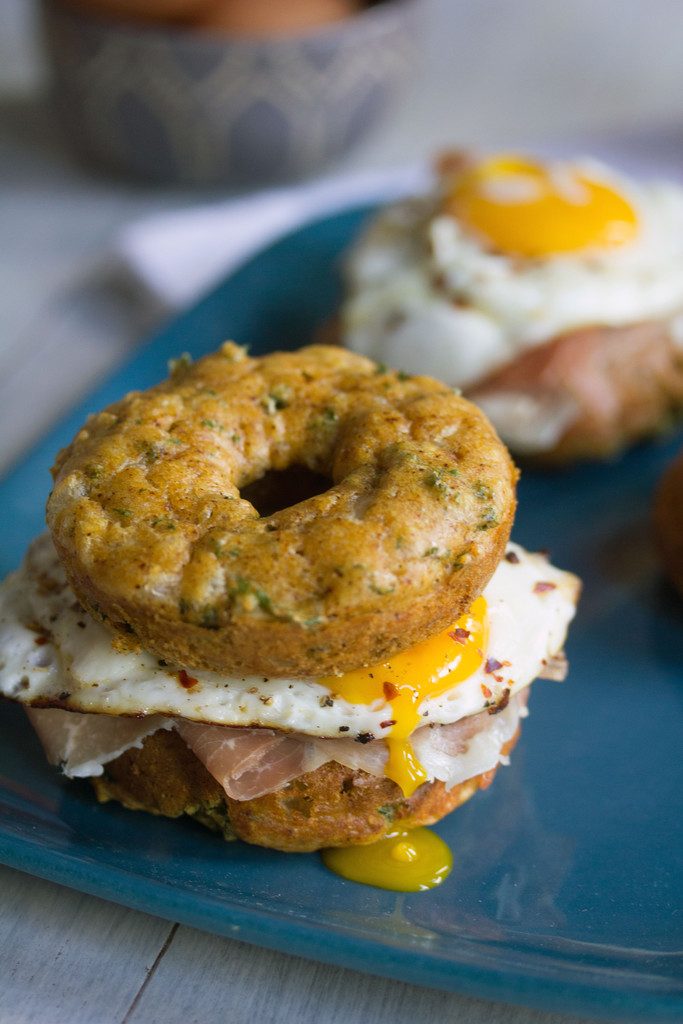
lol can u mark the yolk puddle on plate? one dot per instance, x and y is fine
(427, 669)
(404, 861)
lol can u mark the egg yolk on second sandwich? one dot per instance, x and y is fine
(426, 670)
(525, 208)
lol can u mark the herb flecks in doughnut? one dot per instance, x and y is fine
(164, 537)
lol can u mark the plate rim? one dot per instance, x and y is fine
(343, 947)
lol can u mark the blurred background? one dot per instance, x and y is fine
(419, 74)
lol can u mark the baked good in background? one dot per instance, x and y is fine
(234, 17)
(668, 521)
(311, 664)
(153, 11)
(264, 18)
(550, 292)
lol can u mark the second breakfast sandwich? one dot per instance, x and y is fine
(551, 292)
(279, 596)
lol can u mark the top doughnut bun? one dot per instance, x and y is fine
(151, 518)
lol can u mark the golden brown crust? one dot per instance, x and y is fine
(668, 521)
(162, 776)
(336, 806)
(157, 541)
(625, 383)
(332, 806)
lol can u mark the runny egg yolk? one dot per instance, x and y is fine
(403, 861)
(426, 670)
(524, 208)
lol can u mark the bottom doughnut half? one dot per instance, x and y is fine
(331, 806)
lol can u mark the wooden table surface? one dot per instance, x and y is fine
(496, 73)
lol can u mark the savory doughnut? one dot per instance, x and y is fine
(668, 521)
(331, 806)
(258, 18)
(151, 518)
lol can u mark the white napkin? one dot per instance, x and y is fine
(178, 256)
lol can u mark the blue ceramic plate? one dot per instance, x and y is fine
(565, 893)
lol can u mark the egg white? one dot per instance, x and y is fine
(427, 296)
(79, 669)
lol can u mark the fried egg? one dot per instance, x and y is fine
(508, 253)
(54, 655)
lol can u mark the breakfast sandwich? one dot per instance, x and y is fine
(551, 292)
(278, 595)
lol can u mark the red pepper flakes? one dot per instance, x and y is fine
(493, 665)
(186, 681)
(459, 634)
(485, 690)
(542, 588)
(390, 691)
(389, 722)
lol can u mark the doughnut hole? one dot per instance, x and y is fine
(279, 489)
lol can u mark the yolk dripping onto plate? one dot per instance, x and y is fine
(428, 669)
(404, 861)
(525, 208)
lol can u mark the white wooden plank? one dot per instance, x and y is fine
(67, 958)
(203, 979)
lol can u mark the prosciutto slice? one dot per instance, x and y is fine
(588, 392)
(82, 744)
(252, 762)
(249, 763)
(246, 762)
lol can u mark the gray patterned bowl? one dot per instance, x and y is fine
(179, 106)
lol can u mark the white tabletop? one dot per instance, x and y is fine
(496, 73)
